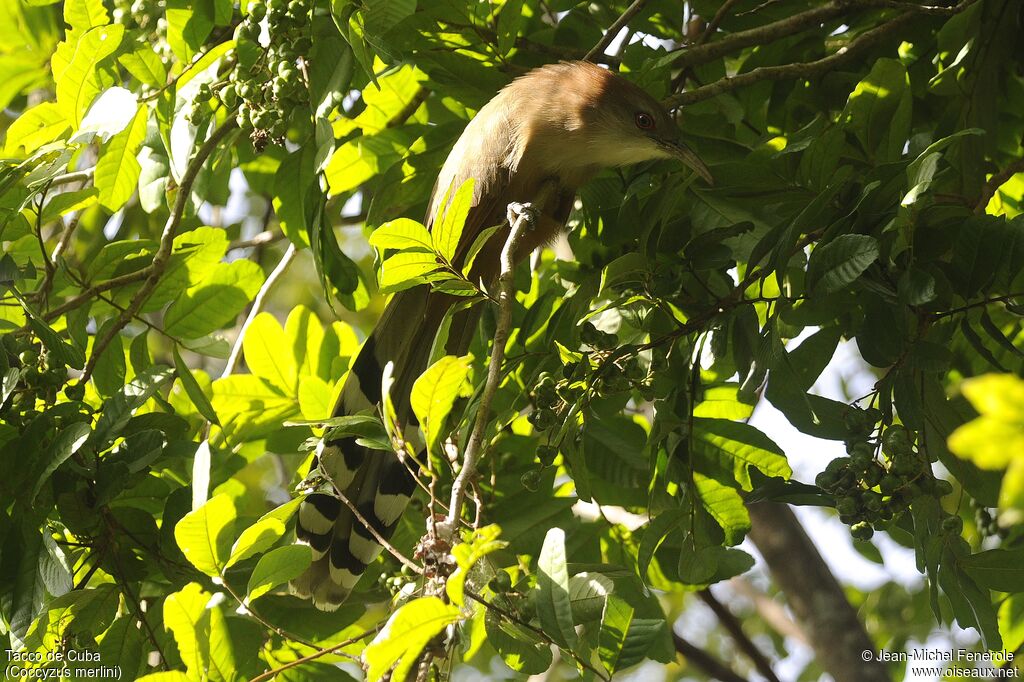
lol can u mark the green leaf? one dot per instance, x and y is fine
(64, 352)
(435, 391)
(654, 534)
(624, 638)
(448, 231)
(183, 611)
(406, 269)
(188, 26)
(41, 124)
(204, 535)
(877, 109)
(402, 233)
(146, 66)
(265, 348)
(972, 605)
(118, 409)
(553, 607)
(276, 567)
(125, 643)
(67, 443)
(407, 631)
(587, 595)
(216, 301)
(263, 534)
(85, 14)
(841, 261)
(117, 171)
(195, 253)
(725, 506)
(111, 367)
(736, 447)
(467, 554)
(80, 82)
(193, 389)
(521, 649)
(380, 16)
(997, 569)
(996, 437)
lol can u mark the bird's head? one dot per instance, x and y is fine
(629, 126)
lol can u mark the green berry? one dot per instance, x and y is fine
(530, 480)
(862, 531)
(500, 583)
(74, 391)
(546, 454)
(846, 505)
(953, 525)
(942, 488)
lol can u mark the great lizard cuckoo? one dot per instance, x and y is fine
(534, 144)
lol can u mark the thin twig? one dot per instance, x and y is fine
(403, 115)
(988, 190)
(702, 53)
(715, 22)
(381, 540)
(614, 29)
(260, 239)
(265, 623)
(705, 661)
(735, 630)
(511, 617)
(163, 254)
(761, 35)
(787, 71)
(93, 291)
(446, 530)
(978, 304)
(274, 672)
(257, 306)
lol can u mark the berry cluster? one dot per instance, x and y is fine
(37, 378)
(869, 488)
(268, 85)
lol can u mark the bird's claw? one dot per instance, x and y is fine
(526, 211)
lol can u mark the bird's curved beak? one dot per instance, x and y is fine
(682, 152)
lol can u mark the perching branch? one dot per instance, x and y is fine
(257, 306)
(614, 29)
(988, 190)
(787, 71)
(446, 530)
(274, 672)
(163, 254)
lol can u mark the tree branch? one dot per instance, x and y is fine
(735, 630)
(992, 185)
(702, 52)
(787, 71)
(274, 672)
(257, 306)
(815, 596)
(705, 661)
(800, 70)
(163, 254)
(446, 529)
(614, 29)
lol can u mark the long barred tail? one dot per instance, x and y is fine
(375, 482)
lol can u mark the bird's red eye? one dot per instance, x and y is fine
(644, 121)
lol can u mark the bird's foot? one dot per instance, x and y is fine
(524, 211)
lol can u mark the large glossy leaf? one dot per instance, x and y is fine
(553, 606)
